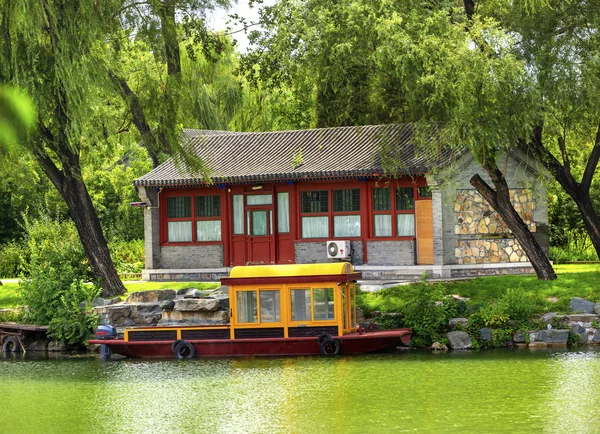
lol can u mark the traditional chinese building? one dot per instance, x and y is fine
(362, 194)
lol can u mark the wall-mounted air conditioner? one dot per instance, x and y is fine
(338, 249)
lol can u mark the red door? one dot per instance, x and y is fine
(259, 236)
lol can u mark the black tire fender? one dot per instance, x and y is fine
(11, 345)
(184, 350)
(331, 347)
(175, 343)
(322, 338)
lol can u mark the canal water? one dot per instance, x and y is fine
(500, 391)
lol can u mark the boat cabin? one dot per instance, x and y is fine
(299, 300)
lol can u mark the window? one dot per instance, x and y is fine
(346, 201)
(238, 214)
(283, 213)
(314, 304)
(405, 198)
(246, 306)
(268, 308)
(424, 192)
(201, 212)
(393, 215)
(178, 209)
(317, 204)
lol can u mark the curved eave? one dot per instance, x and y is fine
(252, 179)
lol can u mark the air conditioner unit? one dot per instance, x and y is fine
(338, 249)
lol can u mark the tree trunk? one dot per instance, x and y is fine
(72, 189)
(579, 191)
(499, 199)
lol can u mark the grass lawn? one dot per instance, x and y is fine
(574, 280)
(9, 296)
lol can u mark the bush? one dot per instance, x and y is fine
(59, 298)
(12, 257)
(53, 288)
(128, 256)
(426, 312)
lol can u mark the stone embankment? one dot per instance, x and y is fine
(584, 324)
(166, 307)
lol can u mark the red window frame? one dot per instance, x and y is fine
(193, 194)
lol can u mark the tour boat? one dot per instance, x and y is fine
(275, 310)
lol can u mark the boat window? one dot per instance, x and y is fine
(246, 306)
(301, 305)
(345, 307)
(312, 304)
(323, 303)
(269, 306)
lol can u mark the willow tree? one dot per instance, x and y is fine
(428, 63)
(66, 56)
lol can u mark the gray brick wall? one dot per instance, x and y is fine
(151, 227)
(316, 252)
(179, 257)
(391, 252)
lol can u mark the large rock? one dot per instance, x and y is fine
(554, 336)
(459, 340)
(596, 338)
(190, 317)
(146, 314)
(597, 309)
(453, 322)
(197, 305)
(579, 331)
(486, 334)
(519, 338)
(116, 315)
(549, 317)
(579, 304)
(582, 317)
(154, 296)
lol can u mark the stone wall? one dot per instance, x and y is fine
(467, 222)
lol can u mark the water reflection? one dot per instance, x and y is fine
(494, 391)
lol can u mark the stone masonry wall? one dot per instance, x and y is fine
(474, 216)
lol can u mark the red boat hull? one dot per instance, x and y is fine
(352, 343)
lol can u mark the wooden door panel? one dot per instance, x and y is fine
(424, 220)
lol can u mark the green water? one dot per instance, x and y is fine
(491, 392)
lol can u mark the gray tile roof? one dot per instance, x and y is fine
(326, 153)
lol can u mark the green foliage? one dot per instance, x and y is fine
(128, 256)
(12, 257)
(59, 298)
(11, 316)
(17, 118)
(426, 312)
(54, 244)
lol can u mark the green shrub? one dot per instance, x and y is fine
(561, 255)
(53, 288)
(58, 298)
(11, 316)
(426, 312)
(12, 257)
(128, 256)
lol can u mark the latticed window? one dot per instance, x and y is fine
(184, 214)
(424, 192)
(179, 207)
(315, 201)
(381, 199)
(346, 200)
(208, 206)
(405, 198)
